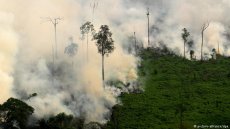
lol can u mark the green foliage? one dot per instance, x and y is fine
(104, 44)
(86, 28)
(197, 90)
(104, 41)
(62, 121)
(115, 83)
(15, 110)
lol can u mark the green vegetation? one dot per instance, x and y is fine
(178, 94)
(61, 121)
(14, 112)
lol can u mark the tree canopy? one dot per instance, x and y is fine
(14, 110)
(104, 41)
(86, 28)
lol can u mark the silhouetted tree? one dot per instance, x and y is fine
(105, 44)
(213, 54)
(185, 36)
(14, 110)
(85, 30)
(191, 54)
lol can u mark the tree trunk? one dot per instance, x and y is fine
(103, 72)
(148, 33)
(55, 36)
(87, 47)
(184, 49)
(53, 56)
(202, 34)
(82, 42)
(135, 43)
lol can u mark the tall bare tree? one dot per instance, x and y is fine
(148, 26)
(135, 42)
(55, 22)
(105, 45)
(94, 5)
(204, 27)
(185, 36)
(85, 30)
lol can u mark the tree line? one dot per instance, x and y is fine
(15, 114)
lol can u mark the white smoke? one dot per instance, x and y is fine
(76, 88)
(8, 50)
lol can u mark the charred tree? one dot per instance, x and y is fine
(148, 27)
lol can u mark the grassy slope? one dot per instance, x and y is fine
(203, 90)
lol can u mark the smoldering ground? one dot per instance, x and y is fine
(26, 40)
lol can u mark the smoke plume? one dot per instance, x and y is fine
(8, 50)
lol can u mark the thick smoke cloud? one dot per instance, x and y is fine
(72, 85)
(8, 50)
(26, 39)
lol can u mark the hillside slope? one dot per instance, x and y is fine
(178, 94)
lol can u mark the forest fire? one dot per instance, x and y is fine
(78, 56)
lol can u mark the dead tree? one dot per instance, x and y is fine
(218, 52)
(204, 27)
(93, 5)
(55, 22)
(148, 27)
(135, 42)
